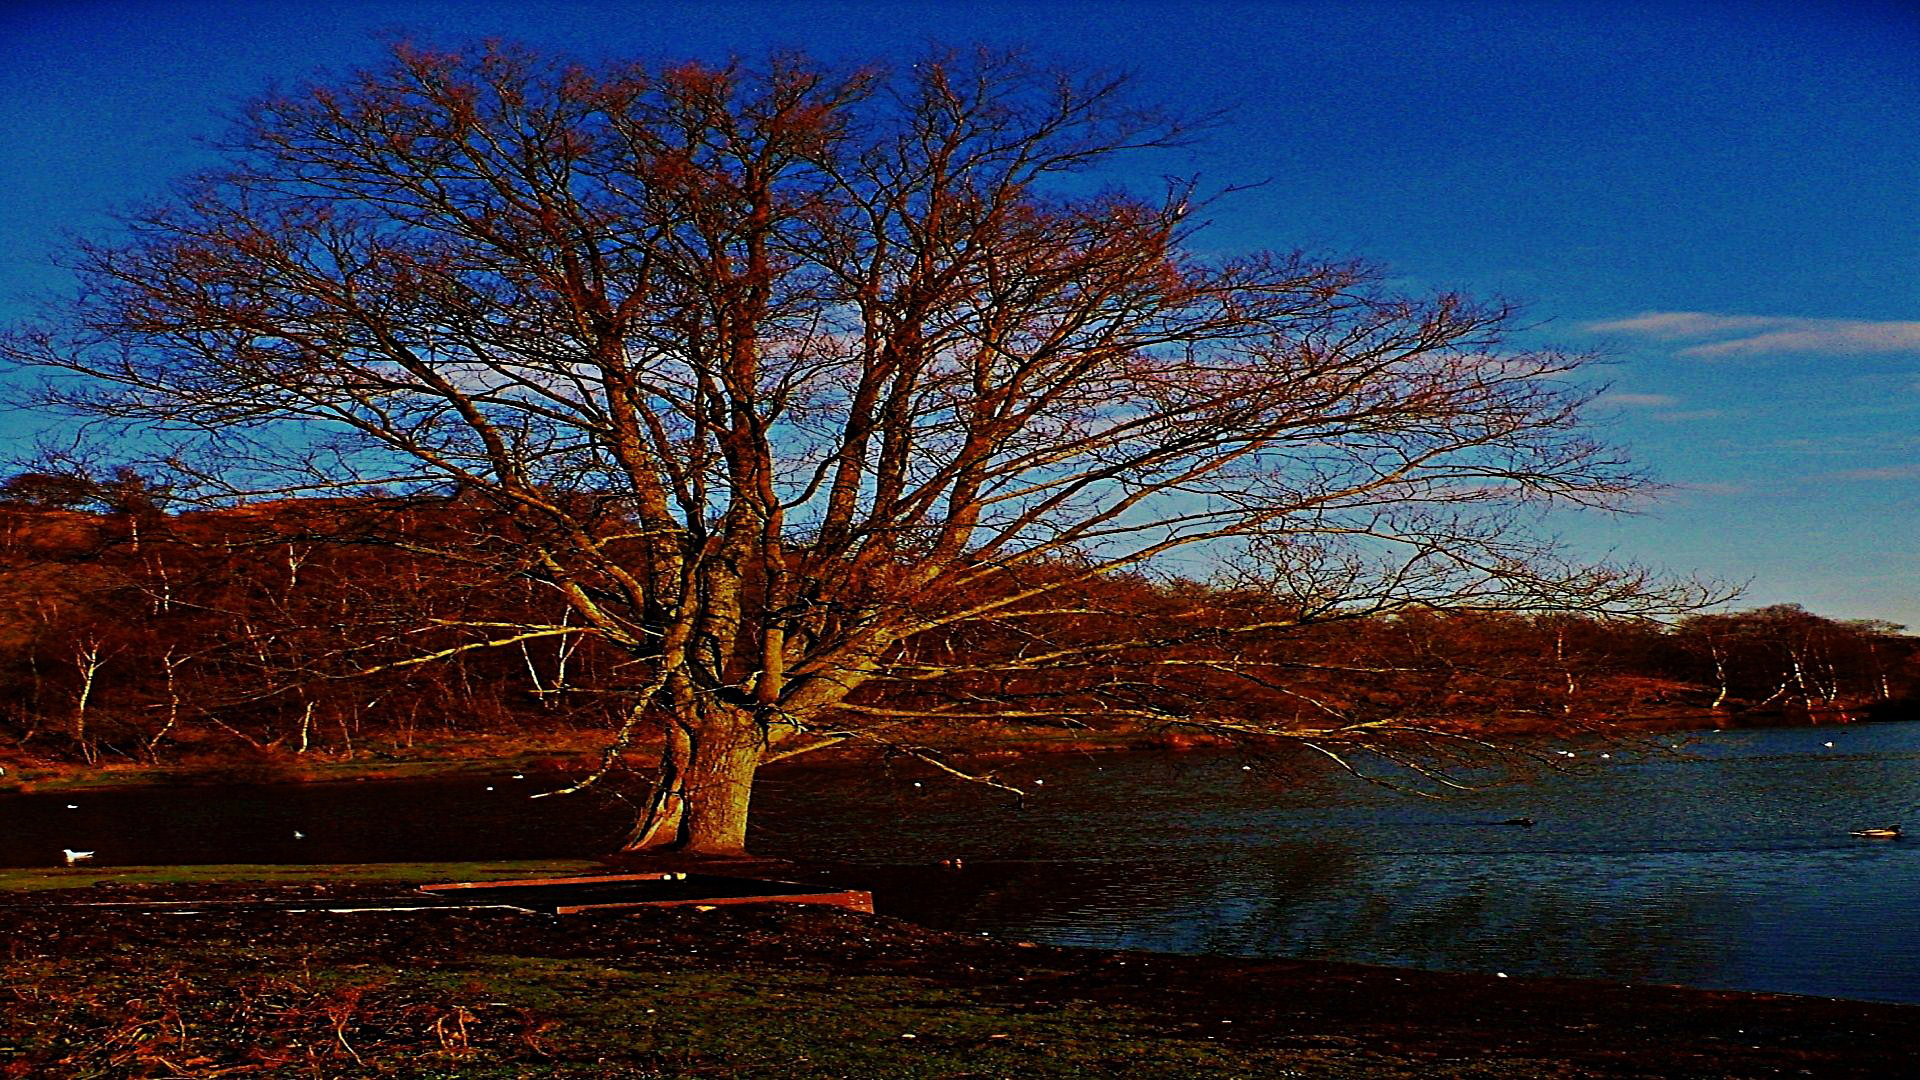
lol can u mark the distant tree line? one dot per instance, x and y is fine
(336, 625)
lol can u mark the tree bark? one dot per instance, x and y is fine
(704, 789)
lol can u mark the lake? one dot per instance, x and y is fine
(1724, 863)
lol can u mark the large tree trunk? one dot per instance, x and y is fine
(700, 800)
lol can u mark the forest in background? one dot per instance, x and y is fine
(311, 626)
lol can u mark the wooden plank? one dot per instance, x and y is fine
(595, 879)
(852, 899)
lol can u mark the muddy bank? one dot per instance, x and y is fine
(789, 991)
(576, 752)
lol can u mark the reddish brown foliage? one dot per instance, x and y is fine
(294, 625)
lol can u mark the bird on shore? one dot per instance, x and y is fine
(75, 856)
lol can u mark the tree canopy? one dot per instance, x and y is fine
(783, 380)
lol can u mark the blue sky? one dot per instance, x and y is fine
(1724, 198)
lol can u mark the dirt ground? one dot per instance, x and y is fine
(803, 991)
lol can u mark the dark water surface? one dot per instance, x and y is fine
(1726, 865)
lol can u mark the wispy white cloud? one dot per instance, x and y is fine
(1749, 335)
(1674, 494)
(1832, 444)
(1835, 336)
(1712, 489)
(1632, 401)
(1885, 472)
(1679, 325)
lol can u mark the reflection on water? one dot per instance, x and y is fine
(1726, 864)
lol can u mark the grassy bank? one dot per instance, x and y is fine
(557, 752)
(220, 763)
(40, 879)
(566, 752)
(807, 992)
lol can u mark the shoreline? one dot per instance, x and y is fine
(89, 886)
(792, 991)
(579, 751)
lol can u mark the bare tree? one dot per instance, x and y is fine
(88, 658)
(782, 376)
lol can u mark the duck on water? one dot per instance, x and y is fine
(1884, 832)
